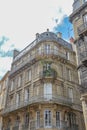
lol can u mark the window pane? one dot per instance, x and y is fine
(47, 118)
(70, 92)
(38, 120)
(27, 94)
(48, 90)
(58, 119)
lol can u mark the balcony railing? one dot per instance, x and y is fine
(83, 87)
(83, 57)
(39, 99)
(25, 126)
(15, 128)
(60, 125)
(43, 53)
(82, 28)
(50, 73)
(7, 129)
(34, 125)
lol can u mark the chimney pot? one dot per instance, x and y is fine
(37, 35)
(47, 29)
(59, 34)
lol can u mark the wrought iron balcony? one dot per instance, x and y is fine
(83, 87)
(41, 124)
(15, 128)
(39, 99)
(49, 73)
(83, 57)
(7, 128)
(82, 29)
(25, 126)
(43, 53)
(60, 125)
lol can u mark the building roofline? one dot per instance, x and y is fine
(4, 76)
(40, 39)
(77, 11)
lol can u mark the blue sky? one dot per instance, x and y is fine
(65, 27)
(20, 20)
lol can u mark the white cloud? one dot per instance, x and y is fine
(20, 20)
(5, 64)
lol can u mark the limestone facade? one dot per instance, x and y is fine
(43, 87)
(79, 20)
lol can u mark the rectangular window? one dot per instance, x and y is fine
(27, 94)
(47, 66)
(29, 75)
(47, 118)
(12, 85)
(85, 18)
(60, 66)
(55, 50)
(38, 119)
(68, 71)
(27, 119)
(47, 49)
(17, 99)
(70, 93)
(58, 119)
(20, 81)
(39, 50)
(48, 91)
(68, 55)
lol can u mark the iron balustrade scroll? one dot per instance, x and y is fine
(82, 28)
(39, 99)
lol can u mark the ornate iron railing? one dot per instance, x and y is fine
(39, 99)
(82, 28)
(39, 55)
(33, 125)
(83, 56)
(15, 128)
(48, 73)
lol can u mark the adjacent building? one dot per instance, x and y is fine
(43, 88)
(3, 95)
(79, 21)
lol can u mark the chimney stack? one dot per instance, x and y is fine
(37, 35)
(71, 40)
(47, 29)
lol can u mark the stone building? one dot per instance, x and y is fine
(79, 21)
(43, 89)
(3, 94)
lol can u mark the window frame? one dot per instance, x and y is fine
(49, 122)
